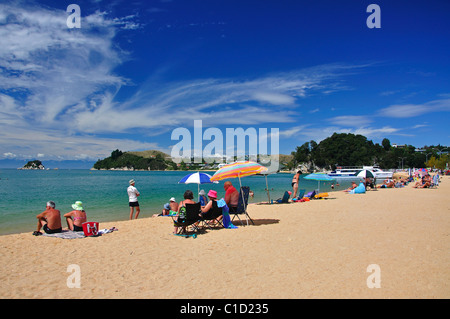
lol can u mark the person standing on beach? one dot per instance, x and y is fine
(295, 183)
(133, 194)
(49, 220)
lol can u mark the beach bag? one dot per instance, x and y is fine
(90, 228)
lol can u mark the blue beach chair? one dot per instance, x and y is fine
(242, 205)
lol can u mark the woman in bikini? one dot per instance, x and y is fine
(77, 217)
(295, 183)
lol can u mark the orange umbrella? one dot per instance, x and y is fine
(238, 169)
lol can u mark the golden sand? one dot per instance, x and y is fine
(316, 249)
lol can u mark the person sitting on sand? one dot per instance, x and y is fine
(370, 182)
(351, 187)
(49, 220)
(188, 199)
(426, 182)
(231, 196)
(388, 183)
(170, 208)
(77, 217)
(212, 204)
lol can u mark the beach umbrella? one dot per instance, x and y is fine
(196, 178)
(239, 169)
(319, 177)
(365, 173)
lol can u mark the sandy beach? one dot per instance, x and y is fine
(316, 249)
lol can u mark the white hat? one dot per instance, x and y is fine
(172, 199)
(78, 205)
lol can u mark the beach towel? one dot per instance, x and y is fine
(226, 220)
(66, 234)
(69, 234)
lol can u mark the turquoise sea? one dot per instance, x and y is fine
(24, 193)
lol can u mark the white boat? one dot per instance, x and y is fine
(351, 171)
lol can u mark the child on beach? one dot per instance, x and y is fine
(203, 200)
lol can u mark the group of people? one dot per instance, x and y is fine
(424, 182)
(207, 202)
(50, 219)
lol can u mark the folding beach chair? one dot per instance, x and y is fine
(311, 195)
(214, 213)
(285, 198)
(301, 193)
(191, 218)
(242, 205)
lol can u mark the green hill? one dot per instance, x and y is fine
(146, 160)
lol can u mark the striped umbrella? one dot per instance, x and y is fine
(239, 169)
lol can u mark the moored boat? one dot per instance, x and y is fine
(352, 171)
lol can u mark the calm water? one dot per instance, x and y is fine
(23, 193)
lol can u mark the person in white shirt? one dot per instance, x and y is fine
(133, 194)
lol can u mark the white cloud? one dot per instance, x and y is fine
(158, 107)
(413, 110)
(9, 155)
(351, 120)
(58, 89)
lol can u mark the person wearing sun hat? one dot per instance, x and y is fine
(133, 194)
(77, 217)
(212, 204)
(170, 208)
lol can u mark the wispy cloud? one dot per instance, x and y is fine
(215, 101)
(58, 89)
(351, 120)
(413, 110)
(48, 71)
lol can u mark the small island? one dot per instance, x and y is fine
(36, 164)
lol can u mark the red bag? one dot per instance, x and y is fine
(90, 228)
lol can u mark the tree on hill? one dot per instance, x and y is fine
(119, 159)
(356, 150)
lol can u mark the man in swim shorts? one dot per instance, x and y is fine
(49, 220)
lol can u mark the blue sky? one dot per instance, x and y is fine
(137, 70)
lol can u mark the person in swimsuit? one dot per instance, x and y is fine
(49, 220)
(295, 183)
(77, 217)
